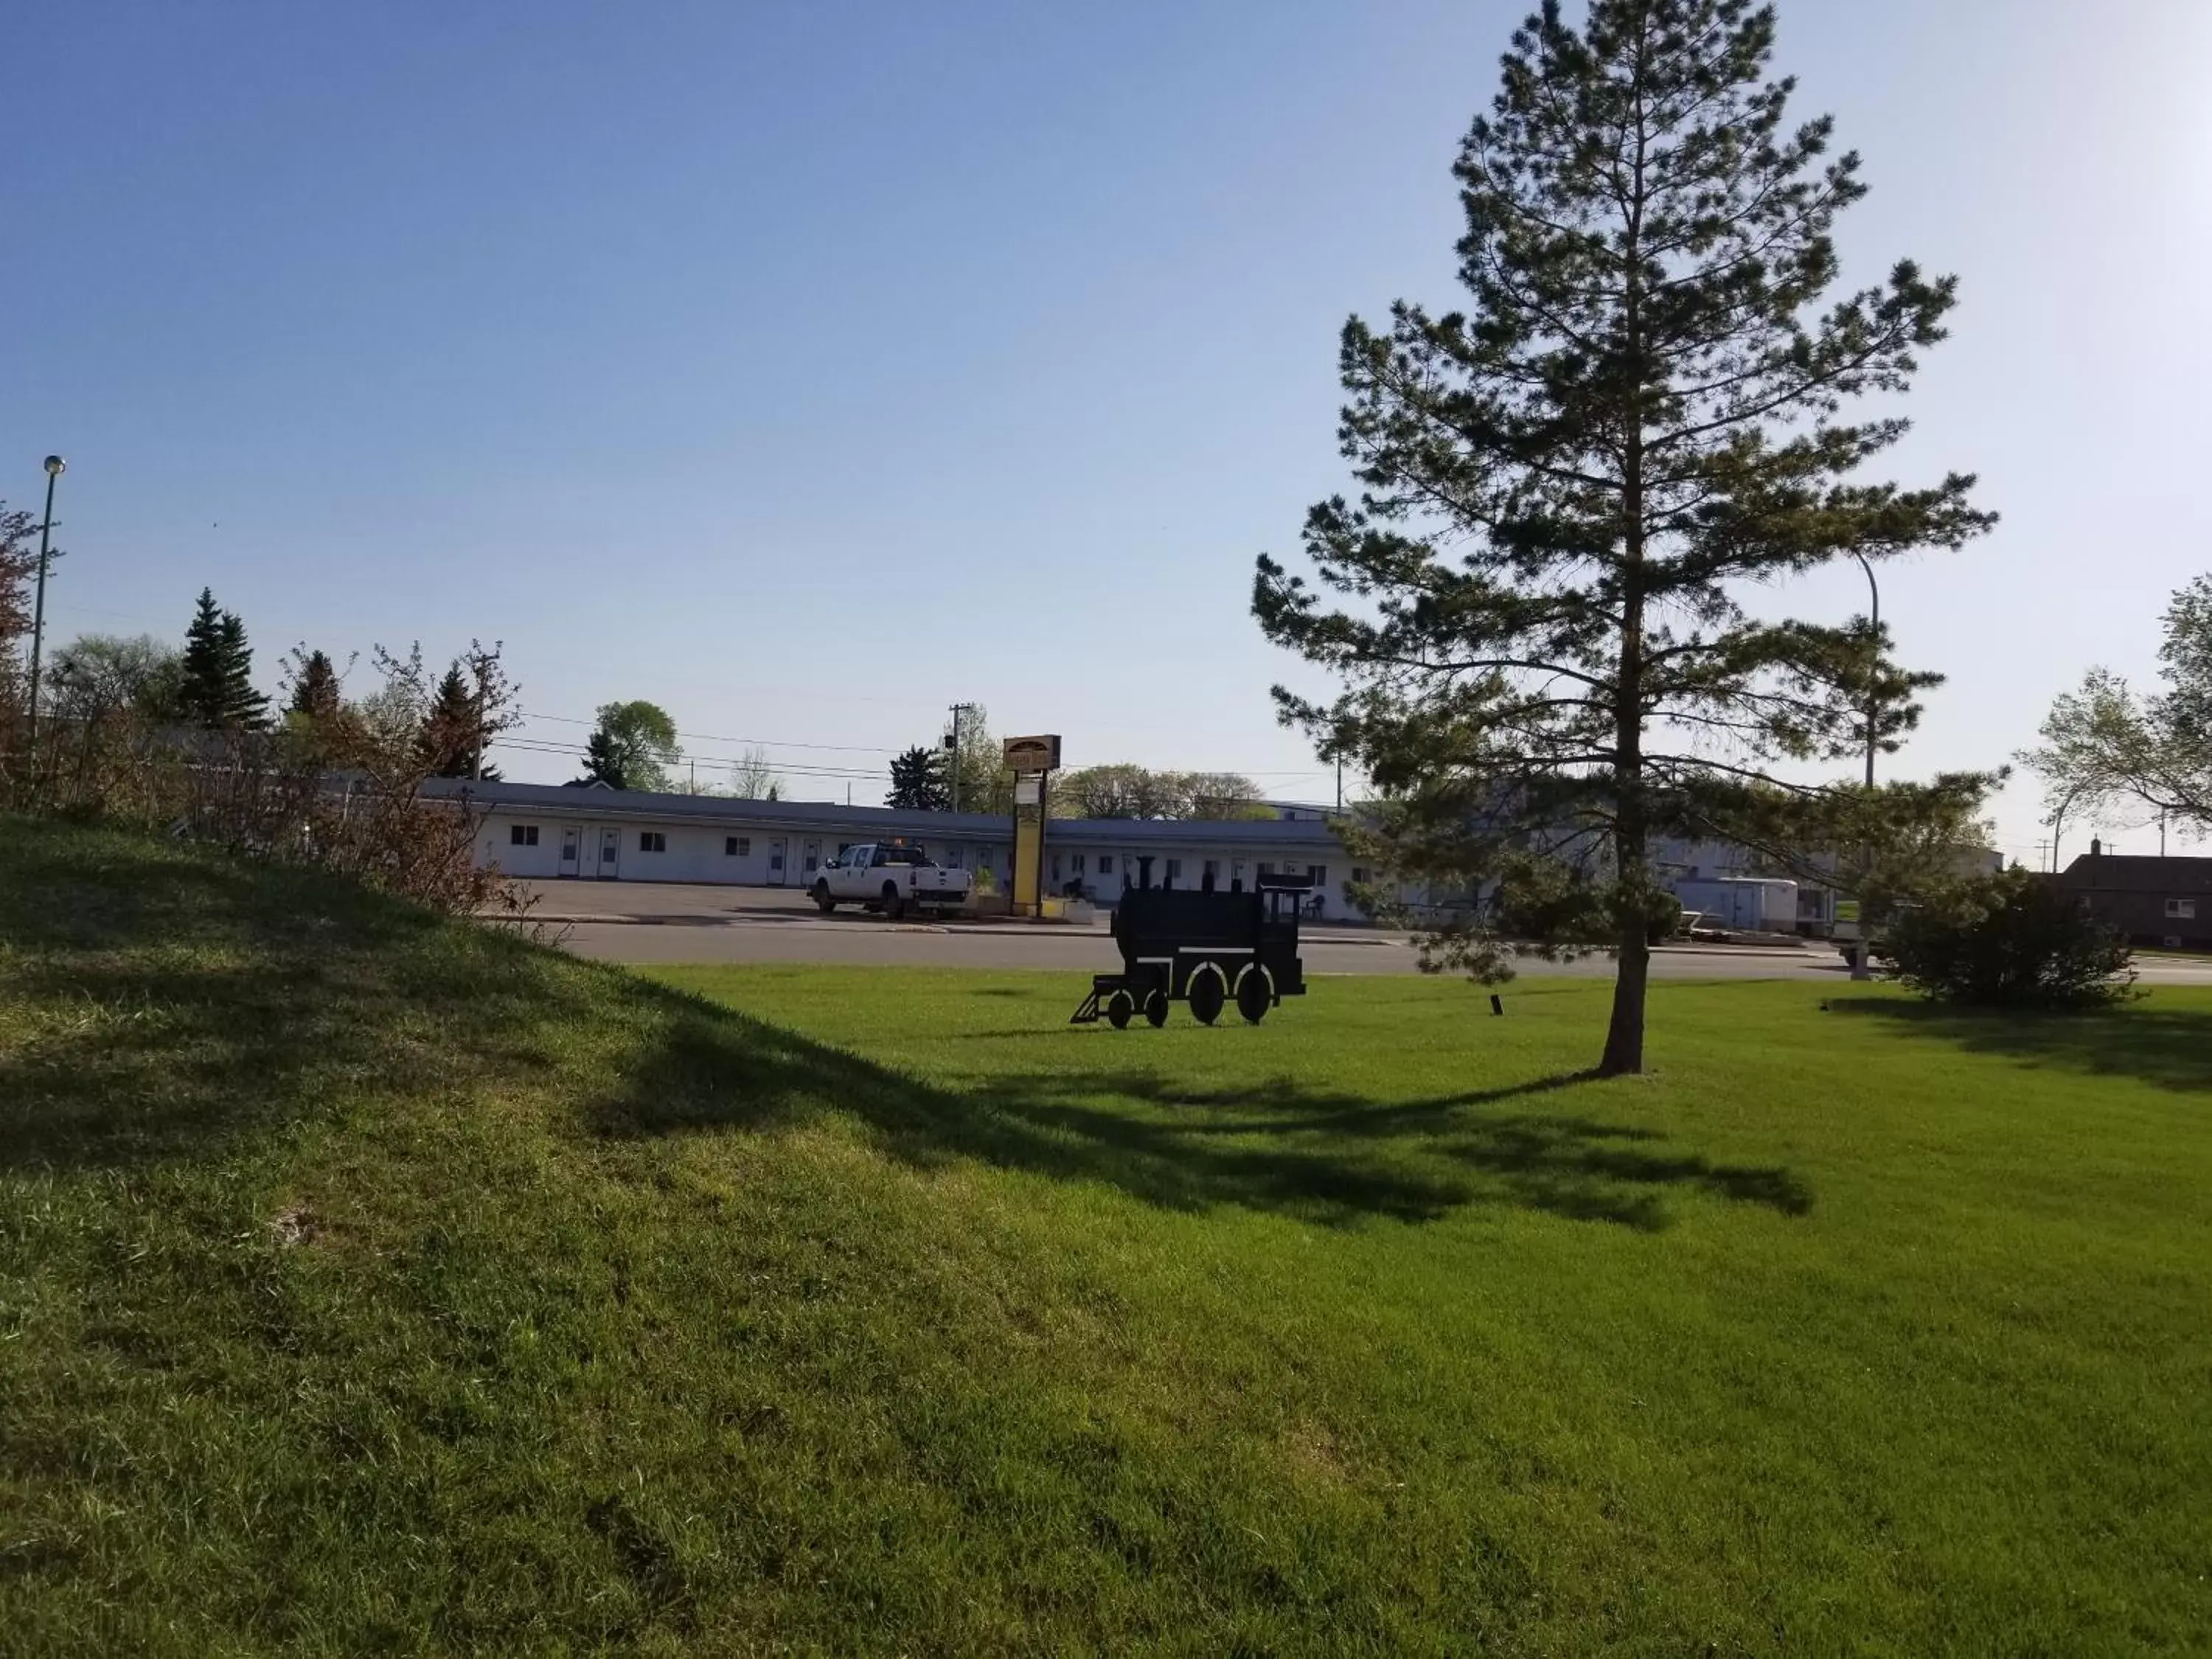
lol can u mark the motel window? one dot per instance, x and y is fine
(1266, 867)
(1078, 860)
(1359, 873)
(522, 834)
(1318, 872)
(2181, 909)
(652, 841)
(1213, 871)
(1105, 864)
(1175, 869)
(737, 846)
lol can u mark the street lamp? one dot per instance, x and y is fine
(55, 467)
(1874, 701)
(1860, 970)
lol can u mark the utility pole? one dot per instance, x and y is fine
(2161, 832)
(1340, 783)
(953, 745)
(55, 467)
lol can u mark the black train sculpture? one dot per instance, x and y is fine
(1201, 946)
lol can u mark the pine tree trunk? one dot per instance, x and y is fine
(1624, 1037)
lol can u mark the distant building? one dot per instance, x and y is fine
(551, 832)
(2159, 902)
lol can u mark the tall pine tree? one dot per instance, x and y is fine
(603, 764)
(451, 741)
(1568, 488)
(315, 691)
(918, 782)
(216, 688)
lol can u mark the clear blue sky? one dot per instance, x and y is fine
(806, 368)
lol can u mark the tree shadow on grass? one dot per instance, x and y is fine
(2171, 1047)
(170, 1006)
(1278, 1146)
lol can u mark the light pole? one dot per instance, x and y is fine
(1859, 968)
(1874, 699)
(55, 467)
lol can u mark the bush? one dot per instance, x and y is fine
(2010, 940)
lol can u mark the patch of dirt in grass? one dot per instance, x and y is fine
(1314, 1454)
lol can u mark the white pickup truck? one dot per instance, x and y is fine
(890, 877)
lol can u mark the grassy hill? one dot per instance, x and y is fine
(370, 1283)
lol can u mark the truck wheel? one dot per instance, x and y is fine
(823, 901)
(894, 906)
(1119, 1008)
(1156, 1008)
(1255, 995)
(1205, 995)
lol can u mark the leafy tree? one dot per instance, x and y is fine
(99, 675)
(1218, 795)
(603, 764)
(216, 688)
(644, 735)
(2009, 940)
(1121, 790)
(1114, 790)
(986, 785)
(2103, 744)
(1568, 487)
(19, 570)
(918, 782)
(753, 776)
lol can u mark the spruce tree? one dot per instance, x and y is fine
(918, 782)
(604, 762)
(452, 740)
(217, 685)
(1570, 487)
(316, 693)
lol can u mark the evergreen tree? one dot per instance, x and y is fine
(918, 782)
(217, 690)
(315, 693)
(451, 743)
(604, 762)
(1569, 487)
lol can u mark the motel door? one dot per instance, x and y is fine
(813, 862)
(572, 841)
(610, 854)
(777, 848)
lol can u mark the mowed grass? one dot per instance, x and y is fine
(369, 1283)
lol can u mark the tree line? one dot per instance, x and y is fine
(922, 780)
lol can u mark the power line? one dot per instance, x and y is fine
(709, 737)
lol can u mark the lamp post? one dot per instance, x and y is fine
(1859, 968)
(55, 467)
(1874, 701)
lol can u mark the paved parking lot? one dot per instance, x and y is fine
(653, 922)
(657, 922)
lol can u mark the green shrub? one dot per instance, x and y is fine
(2010, 940)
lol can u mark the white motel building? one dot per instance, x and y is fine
(549, 832)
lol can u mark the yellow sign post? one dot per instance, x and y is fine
(1031, 760)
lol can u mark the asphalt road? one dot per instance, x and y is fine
(650, 922)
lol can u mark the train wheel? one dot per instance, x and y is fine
(1156, 1008)
(1119, 1008)
(1256, 994)
(1206, 994)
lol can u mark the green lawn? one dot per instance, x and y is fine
(373, 1284)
